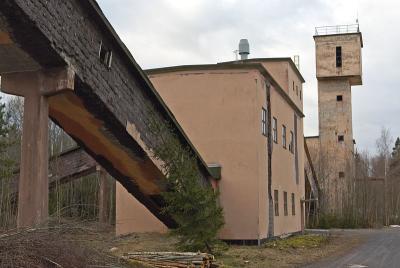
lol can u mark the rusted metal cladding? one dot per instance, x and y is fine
(109, 111)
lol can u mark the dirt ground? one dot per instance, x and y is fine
(101, 243)
(291, 252)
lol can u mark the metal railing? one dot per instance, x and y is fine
(337, 29)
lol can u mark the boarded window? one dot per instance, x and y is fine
(276, 202)
(338, 57)
(285, 203)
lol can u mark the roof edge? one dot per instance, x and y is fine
(229, 65)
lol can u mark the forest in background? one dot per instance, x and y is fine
(77, 199)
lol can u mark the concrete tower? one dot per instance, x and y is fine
(339, 67)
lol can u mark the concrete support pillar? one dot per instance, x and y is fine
(35, 87)
(104, 195)
(33, 183)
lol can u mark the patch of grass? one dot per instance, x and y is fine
(298, 242)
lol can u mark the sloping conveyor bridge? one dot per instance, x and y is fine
(64, 57)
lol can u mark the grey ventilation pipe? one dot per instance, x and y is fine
(244, 49)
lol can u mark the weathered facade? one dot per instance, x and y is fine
(228, 110)
(339, 67)
(67, 61)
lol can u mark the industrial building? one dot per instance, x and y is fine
(245, 118)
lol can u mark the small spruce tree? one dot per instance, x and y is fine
(192, 204)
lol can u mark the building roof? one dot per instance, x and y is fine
(229, 65)
(106, 25)
(287, 59)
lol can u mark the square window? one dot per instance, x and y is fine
(340, 138)
(341, 174)
(339, 98)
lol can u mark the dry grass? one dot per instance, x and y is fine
(292, 252)
(68, 245)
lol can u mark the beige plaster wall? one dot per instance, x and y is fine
(283, 167)
(287, 78)
(132, 216)
(220, 111)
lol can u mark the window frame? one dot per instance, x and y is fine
(285, 204)
(291, 142)
(284, 142)
(264, 125)
(275, 130)
(276, 203)
(293, 204)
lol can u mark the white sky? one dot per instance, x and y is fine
(162, 33)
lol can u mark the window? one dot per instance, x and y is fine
(341, 174)
(293, 85)
(291, 142)
(339, 98)
(275, 130)
(105, 56)
(338, 57)
(276, 202)
(297, 90)
(284, 136)
(340, 138)
(301, 94)
(264, 121)
(285, 204)
(293, 205)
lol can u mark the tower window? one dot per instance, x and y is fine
(339, 98)
(297, 90)
(340, 138)
(341, 174)
(338, 57)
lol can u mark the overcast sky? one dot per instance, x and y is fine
(174, 32)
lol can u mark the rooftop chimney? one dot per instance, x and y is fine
(244, 49)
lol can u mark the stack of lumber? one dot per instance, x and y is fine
(173, 259)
